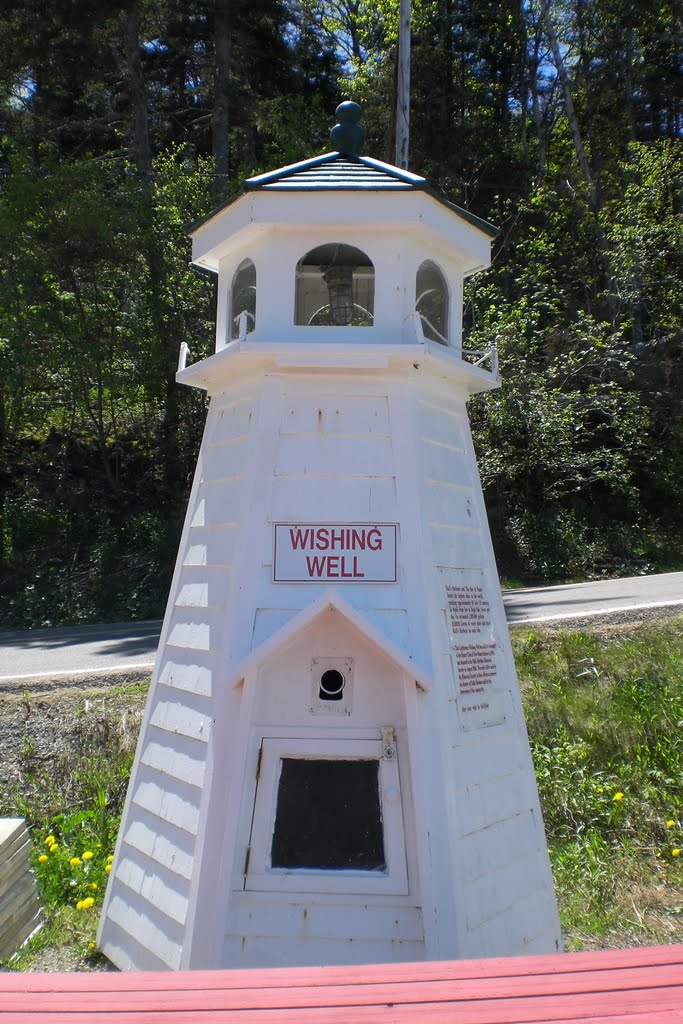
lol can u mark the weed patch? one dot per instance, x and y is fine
(605, 720)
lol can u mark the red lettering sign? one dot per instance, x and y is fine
(339, 552)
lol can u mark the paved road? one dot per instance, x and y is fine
(576, 600)
(80, 650)
(130, 647)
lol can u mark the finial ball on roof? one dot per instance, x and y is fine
(347, 135)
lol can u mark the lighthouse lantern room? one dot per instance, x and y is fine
(333, 765)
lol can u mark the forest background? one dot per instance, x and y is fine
(558, 120)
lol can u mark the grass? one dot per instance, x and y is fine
(605, 716)
(72, 796)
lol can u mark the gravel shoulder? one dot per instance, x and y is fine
(38, 724)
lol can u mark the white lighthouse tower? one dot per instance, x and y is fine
(333, 765)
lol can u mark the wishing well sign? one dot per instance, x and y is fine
(334, 552)
(472, 638)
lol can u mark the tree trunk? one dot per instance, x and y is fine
(402, 117)
(589, 177)
(532, 61)
(141, 148)
(220, 121)
(570, 111)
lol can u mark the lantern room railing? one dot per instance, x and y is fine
(475, 357)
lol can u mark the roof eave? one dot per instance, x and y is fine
(405, 180)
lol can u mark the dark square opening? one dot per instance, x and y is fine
(328, 816)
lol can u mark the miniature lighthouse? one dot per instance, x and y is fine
(333, 766)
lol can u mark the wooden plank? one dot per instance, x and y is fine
(14, 843)
(390, 1014)
(620, 988)
(12, 900)
(16, 928)
(667, 958)
(19, 863)
(10, 828)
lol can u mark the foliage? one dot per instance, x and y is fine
(123, 122)
(604, 718)
(72, 864)
(71, 793)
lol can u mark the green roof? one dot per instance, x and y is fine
(344, 172)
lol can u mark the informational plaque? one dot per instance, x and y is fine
(472, 637)
(468, 609)
(334, 553)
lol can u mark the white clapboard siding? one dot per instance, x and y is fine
(510, 885)
(329, 456)
(519, 924)
(184, 670)
(20, 912)
(172, 848)
(501, 845)
(149, 929)
(211, 546)
(252, 952)
(444, 462)
(201, 587)
(457, 546)
(343, 413)
(170, 799)
(230, 421)
(499, 753)
(162, 889)
(256, 926)
(325, 919)
(441, 420)
(353, 499)
(312, 426)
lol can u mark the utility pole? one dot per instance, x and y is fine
(403, 86)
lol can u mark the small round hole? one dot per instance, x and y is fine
(331, 685)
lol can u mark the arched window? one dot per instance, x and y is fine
(431, 301)
(335, 286)
(243, 297)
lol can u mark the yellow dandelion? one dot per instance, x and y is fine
(87, 855)
(54, 848)
(107, 867)
(600, 789)
(80, 905)
(50, 840)
(618, 796)
(88, 902)
(93, 886)
(91, 945)
(670, 823)
(75, 861)
(110, 858)
(43, 857)
(675, 853)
